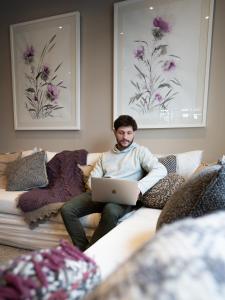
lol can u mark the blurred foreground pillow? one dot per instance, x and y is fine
(61, 273)
(184, 260)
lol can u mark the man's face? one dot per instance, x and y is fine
(124, 137)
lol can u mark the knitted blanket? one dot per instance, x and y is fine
(65, 181)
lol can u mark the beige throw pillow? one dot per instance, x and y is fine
(5, 159)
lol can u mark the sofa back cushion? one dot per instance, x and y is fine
(5, 160)
(184, 163)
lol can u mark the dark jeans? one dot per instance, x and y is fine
(82, 205)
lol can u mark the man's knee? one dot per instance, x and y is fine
(111, 211)
(65, 210)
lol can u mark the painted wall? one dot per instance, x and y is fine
(97, 86)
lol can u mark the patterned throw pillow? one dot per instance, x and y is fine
(183, 200)
(27, 173)
(213, 198)
(5, 159)
(184, 260)
(62, 273)
(169, 162)
(159, 194)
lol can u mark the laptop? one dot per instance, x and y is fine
(114, 190)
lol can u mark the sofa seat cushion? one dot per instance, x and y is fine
(8, 201)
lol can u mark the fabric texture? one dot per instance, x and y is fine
(27, 173)
(65, 181)
(159, 194)
(131, 163)
(5, 160)
(188, 162)
(184, 199)
(170, 162)
(184, 260)
(213, 198)
(58, 273)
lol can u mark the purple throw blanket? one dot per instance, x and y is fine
(65, 181)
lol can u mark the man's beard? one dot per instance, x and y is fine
(121, 147)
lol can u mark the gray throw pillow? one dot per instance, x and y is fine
(27, 173)
(170, 162)
(181, 203)
(159, 194)
(213, 198)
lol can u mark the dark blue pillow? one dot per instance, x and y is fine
(213, 197)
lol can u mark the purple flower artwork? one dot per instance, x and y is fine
(43, 87)
(156, 84)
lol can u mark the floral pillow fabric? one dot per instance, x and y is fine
(62, 273)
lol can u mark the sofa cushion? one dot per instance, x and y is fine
(5, 159)
(170, 162)
(159, 194)
(184, 260)
(213, 197)
(182, 202)
(29, 152)
(27, 173)
(57, 273)
(188, 162)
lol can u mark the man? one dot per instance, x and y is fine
(126, 160)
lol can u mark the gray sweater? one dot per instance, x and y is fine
(131, 163)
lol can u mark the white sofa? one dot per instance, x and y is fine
(120, 243)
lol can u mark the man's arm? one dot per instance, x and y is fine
(155, 170)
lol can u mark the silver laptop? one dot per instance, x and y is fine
(119, 191)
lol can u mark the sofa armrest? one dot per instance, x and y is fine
(123, 240)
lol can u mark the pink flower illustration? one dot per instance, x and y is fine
(169, 65)
(42, 86)
(155, 85)
(52, 92)
(28, 54)
(139, 53)
(161, 24)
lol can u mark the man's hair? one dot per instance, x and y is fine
(124, 121)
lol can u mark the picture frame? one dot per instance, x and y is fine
(45, 60)
(161, 61)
